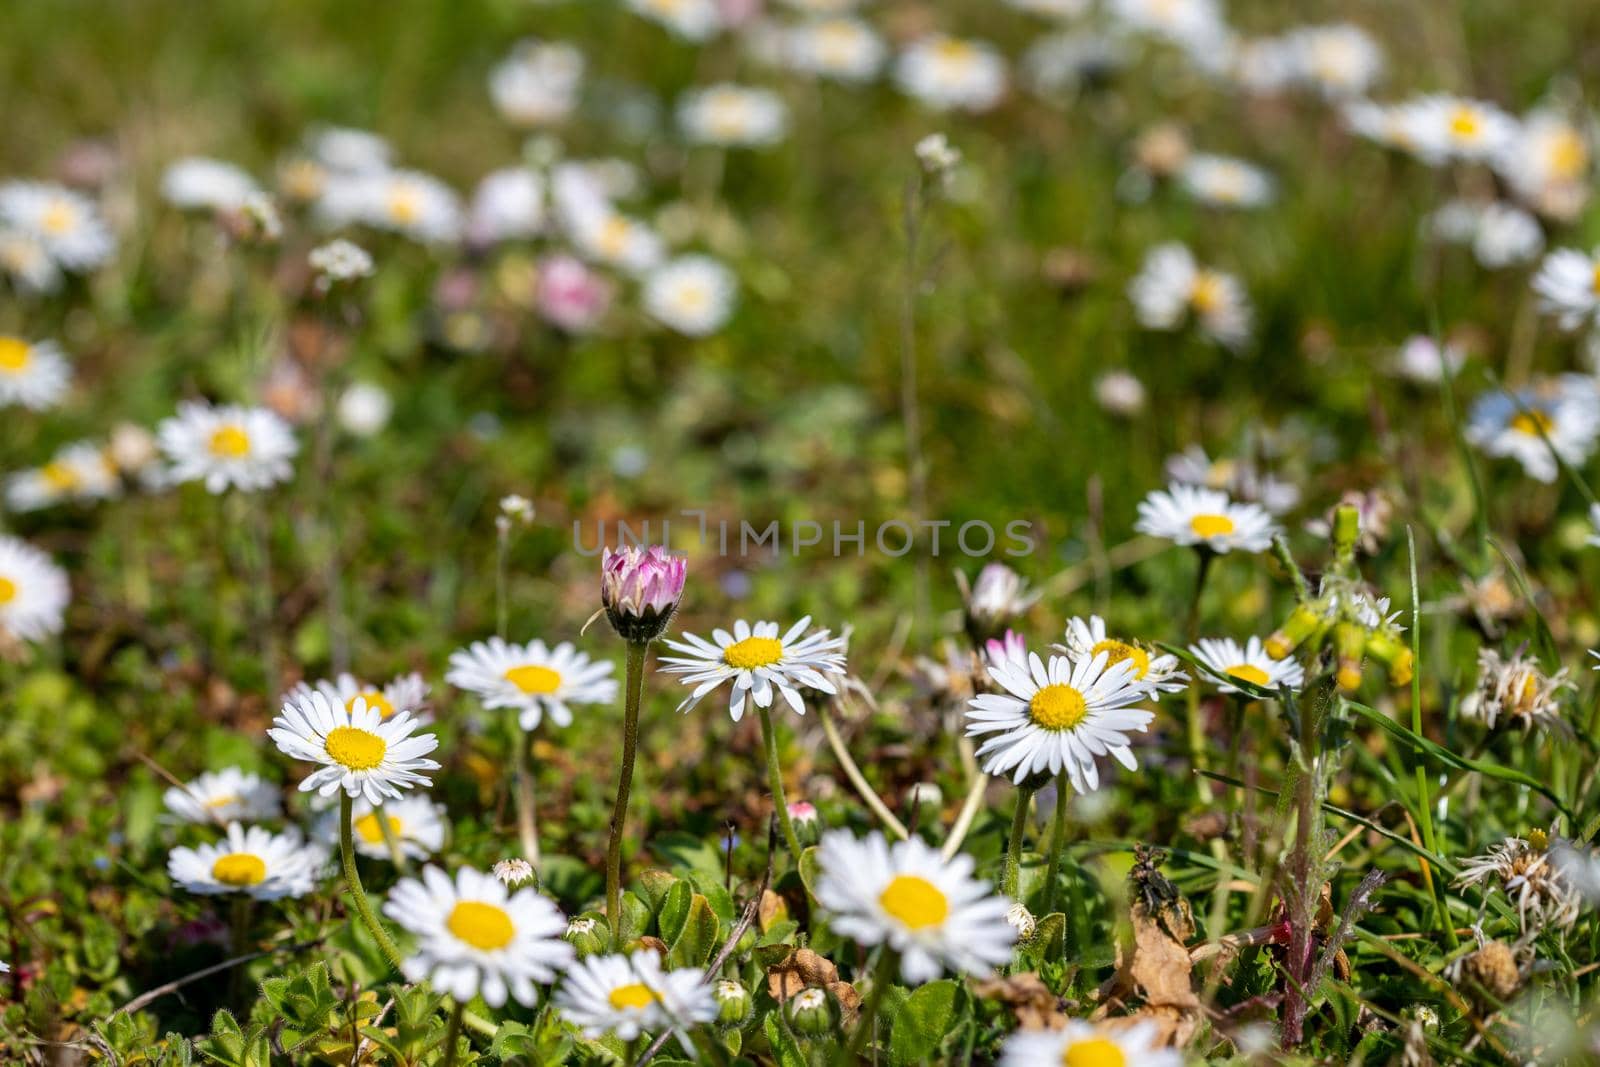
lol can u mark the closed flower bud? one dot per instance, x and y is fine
(734, 1004)
(807, 826)
(1301, 624)
(640, 589)
(811, 1013)
(586, 935)
(1349, 641)
(1022, 921)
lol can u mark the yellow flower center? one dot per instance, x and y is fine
(1117, 651)
(1057, 707)
(1095, 1052)
(1211, 525)
(60, 477)
(1248, 672)
(1568, 156)
(239, 869)
(613, 237)
(375, 700)
(1539, 839)
(753, 652)
(1594, 282)
(303, 179)
(1532, 423)
(1206, 294)
(404, 206)
(953, 51)
(1466, 124)
(15, 355)
(229, 442)
(633, 997)
(357, 749)
(371, 830)
(59, 218)
(483, 926)
(916, 902)
(533, 680)
(8, 590)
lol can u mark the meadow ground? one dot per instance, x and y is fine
(1182, 413)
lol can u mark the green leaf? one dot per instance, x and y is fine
(697, 940)
(653, 885)
(809, 871)
(925, 1019)
(784, 1047)
(675, 910)
(635, 918)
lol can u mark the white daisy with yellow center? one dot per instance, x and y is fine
(254, 861)
(475, 937)
(406, 202)
(1081, 1044)
(1444, 129)
(930, 911)
(67, 224)
(846, 49)
(693, 20)
(33, 591)
(732, 116)
(604, 235)
(221, 797)
(405, 692)
(538, 83)
(1568, 287)
(1548, 163)
(532, 678)
(628, 995)
(360, 751)
(1222, 181)
(1207, 518)
(1058, 716)
(758, 661)
(1225, 658)
(1340, 60)
(82, 472)
(1172, 288)
(691, 294)
(33, 374)
(1157, 673)
(950, 73)
(416, 824)
(1549, 418)
(228, 446)
(24, 260)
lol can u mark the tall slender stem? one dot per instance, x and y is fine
(527, 809)
(775, 783)
(1011, 873)
(1191, 626)
(857, 779)
(1058, 840)
(619, 811)
(969, 811)
(867, 1021)
(239, 923)
(352, 879)
(452, 1035)
(391, 840)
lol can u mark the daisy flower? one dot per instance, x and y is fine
(1010, 649)
(1224, 658)
(1517, 690)
(1568, 286)
(475, 937)
(998, 596)
(406, 692)
(532, 678)
(1193, 25)
(1207, 518)
(1222, 181)
(66, 223)
(33, 591)
(1339, 60)
(1081, 1044)
(1526, 871)
(950, 73)
(630, 995)
(340, 261)
(508, 205)
(364, 408)
(930, 911)
(571, 296)
(81, 471)
(1171, 287)
(732, 116)
(607, 236)
(1059, 716)
(1087, 638)
(1547, 164)
(1421, 360)
(254, 861)
(757, 661)
(24, 259)
(691, 294)
(846, 49)
(249, 448)
(33, 374)
(693, 20)
(209, 184)
(1560, 415)
(537, 85)
(406, 202)
(416, 823)
(1445, 128)
(228, 795)
(360, 751)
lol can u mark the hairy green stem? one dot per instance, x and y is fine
(632, 697)
(1058, 841)
(352, 879)
(1011, 873)
(775, 782)
(452, 1035)
(527, 807)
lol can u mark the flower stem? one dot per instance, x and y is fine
(352, 879)
(527, 809)
(239, 928)
(775, 783)
(969, 811)
(1191, 626)
(867, 1021)
(632, 696)
(1058, 840)
(391, 840)
(1011, 873)
(857, 779)
(452, 1035)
